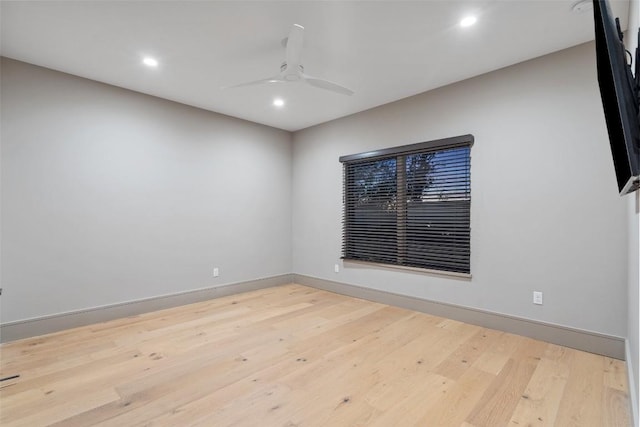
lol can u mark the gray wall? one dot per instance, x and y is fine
(109, 195)
(633, 330)
(633, 209)
(545, 210)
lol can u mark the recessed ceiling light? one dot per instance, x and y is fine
(149, 61)
(468, 21)
(278, 102)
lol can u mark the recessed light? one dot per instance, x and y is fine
(150, 62)
(468, 21)
(278, 102)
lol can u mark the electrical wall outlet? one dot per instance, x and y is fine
(216, 271)
(336, 268)
(537, 297)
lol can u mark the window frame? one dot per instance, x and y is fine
(397, 153)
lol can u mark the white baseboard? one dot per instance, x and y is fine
(633, 397)
(592, 342)
(11, 331)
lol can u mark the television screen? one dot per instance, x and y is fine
(619, 97)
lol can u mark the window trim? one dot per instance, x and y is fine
(451, 274)
(438, 144)
(466, 140)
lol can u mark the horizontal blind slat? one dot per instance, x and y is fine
(425, 225)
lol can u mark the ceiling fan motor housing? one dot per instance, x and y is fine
(291, 75)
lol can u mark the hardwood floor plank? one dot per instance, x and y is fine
(405, 406)
(466, 354)
(616, 408)
(298, 356)
(453, 407)
(540, 400)
(581, 403)
(615, 374)
(62, 410)
(497, 404)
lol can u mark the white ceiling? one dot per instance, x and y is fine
(383, 50)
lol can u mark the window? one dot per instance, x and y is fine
(410, 206)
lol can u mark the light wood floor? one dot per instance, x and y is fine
(296, 356)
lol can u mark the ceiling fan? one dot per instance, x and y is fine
(292, 70)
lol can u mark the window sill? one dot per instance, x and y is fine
(449, 274)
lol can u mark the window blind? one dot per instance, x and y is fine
(410, 205)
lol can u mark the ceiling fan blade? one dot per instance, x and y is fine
(292, 71)
(326, 84)
(274, 79)
(294, 46)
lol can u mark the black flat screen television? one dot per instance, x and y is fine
(619, 92)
